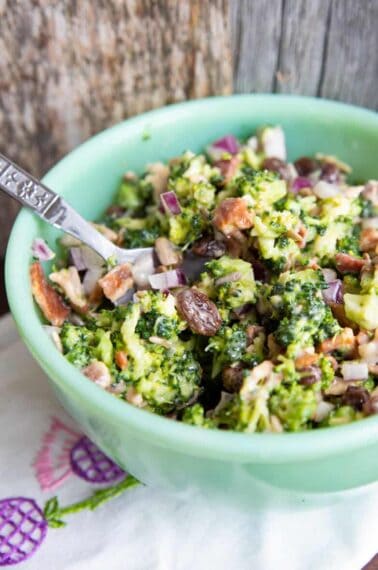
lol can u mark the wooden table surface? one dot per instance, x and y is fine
(373, 565)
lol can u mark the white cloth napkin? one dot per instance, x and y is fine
(150, 529)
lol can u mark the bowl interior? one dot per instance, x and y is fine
(88, 178)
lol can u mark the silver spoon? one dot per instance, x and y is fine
(49, 206)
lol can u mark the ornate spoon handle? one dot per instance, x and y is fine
(49, 206)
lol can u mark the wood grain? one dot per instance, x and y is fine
(69, 69)
(313, 47)
(255, 36)
(350, 67)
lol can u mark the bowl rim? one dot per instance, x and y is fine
(196, 441)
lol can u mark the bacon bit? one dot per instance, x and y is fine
(69, 281)
(369, 240)
(99, 373)
(117, 282)
(106, 232)
(121, 359)
(228, 168)
(346, 263)
(232, 214)
(306, 360)
(157, 176)
(48, 300)
(345, 342)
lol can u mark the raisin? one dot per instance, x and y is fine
(311, 375)
(209, 247)
(232, 378)
(356, 397)
(277, 165)
(305, 165)
(199, 312)
(330, 173)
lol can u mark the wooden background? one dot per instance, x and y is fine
(69, 69)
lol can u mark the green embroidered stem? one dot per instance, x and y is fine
(53, 512)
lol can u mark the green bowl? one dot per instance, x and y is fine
(261, 467)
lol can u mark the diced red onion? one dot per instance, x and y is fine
(354, 371)
(227, 144)
(170, 203)
(329, 274)
(231, 277)
(168, 279)
(143, 267)
(126, 298)
(334, 292)
(368, 223)
(41, 250)
(300, 182)
(325, 190)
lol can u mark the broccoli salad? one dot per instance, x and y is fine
(257, 308)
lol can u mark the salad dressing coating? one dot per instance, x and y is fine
(258, 310)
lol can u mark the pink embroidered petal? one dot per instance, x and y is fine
(52, 465)
(22, 529)
(91, 464)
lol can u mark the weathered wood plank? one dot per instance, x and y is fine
(69, 69)
(314, 47)
(351, 58)
(302, 45)
(255, 35)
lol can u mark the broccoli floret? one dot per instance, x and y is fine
(187, 227)
(294, 405)
(230, 345)
(302, 315)
(340, 416)
(263, 188)
(274, 235)
(195, 416)
(167, 374)
(78, 344)
(363, 308)
(233, 293)
(350, 243)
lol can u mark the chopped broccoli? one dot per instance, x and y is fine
(195, 416)
(262, 187)
(294, 405)
(302, 315)
(233, 293)
(78, 344)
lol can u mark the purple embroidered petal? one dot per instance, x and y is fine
(91, 464)
(22, 529)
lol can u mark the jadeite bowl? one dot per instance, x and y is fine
(159, 451)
